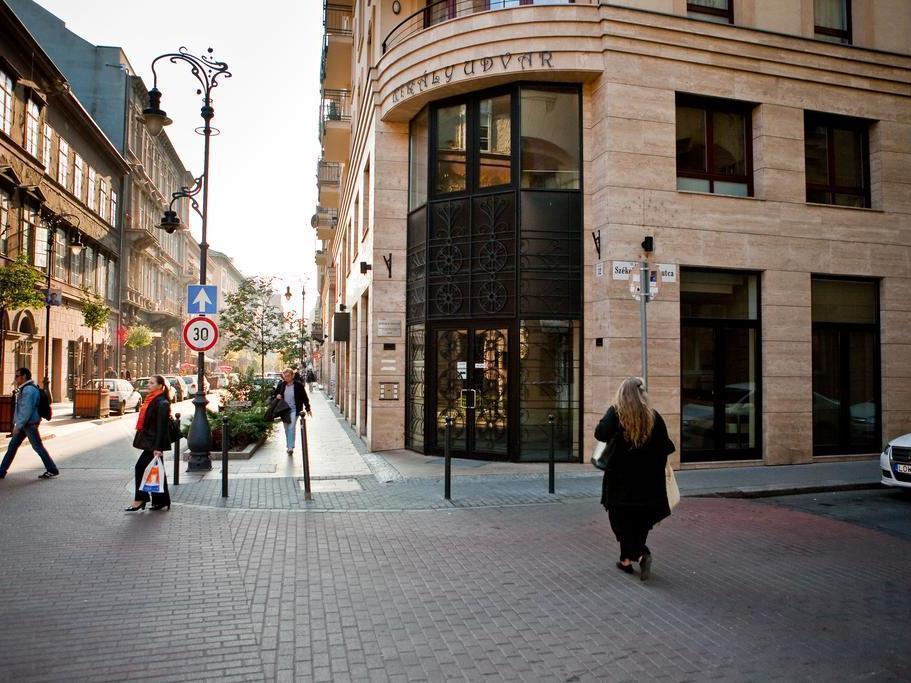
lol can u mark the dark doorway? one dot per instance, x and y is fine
(472, 369)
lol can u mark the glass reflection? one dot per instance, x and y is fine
(550, 139)
(494, 141)
(451, 146)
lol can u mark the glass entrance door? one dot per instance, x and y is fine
(472, 373)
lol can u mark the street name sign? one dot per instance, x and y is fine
(202, 299)
(200, 334)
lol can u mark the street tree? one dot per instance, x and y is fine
(19, 288)
(252, 321)
(95, 314)
(138, 337)
(293, 343)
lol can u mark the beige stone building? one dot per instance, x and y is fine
(492, 168)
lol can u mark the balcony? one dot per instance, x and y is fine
(445, 10)
(321, 257)
(325, 221)
(338, 45)
(335, 124)
(328, 179)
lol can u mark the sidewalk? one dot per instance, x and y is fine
(345, 476)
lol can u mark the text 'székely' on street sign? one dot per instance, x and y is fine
(200, 334)
(202, 299)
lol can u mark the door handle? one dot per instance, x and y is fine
(464, 398)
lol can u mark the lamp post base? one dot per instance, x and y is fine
(199, 440)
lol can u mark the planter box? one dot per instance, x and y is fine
(93, 403)
(245, 454)
(6, 414)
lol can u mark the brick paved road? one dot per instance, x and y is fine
(741, 591)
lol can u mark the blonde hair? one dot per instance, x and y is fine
(633, 410)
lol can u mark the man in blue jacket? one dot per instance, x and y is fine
(25, 424)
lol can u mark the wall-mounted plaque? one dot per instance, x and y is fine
(389, 328)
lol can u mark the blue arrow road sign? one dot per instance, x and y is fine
(202, 299)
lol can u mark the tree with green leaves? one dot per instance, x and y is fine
(19, 288)
(252, 321)
(138, 337)
(95, 314)
(292, 344)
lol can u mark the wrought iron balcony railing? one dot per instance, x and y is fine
(337, 19)
(328, 173)
(336, 105)
(444, 10)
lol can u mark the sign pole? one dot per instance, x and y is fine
(644, 282)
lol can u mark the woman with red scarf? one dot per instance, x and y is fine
(153, 435)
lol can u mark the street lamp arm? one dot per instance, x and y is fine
(206, 69)
(189, 193)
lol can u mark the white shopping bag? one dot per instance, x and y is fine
(153, 477)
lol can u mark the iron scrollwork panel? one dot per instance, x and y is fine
(448, 268)
(493, 255)
(416, 383)
(490, 368)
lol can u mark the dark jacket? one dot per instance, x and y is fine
(155, 434)
(300, 395)
(634, 477)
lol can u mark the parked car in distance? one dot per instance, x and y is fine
(123, 395)
(190, 381)
(895, 462)
(179, 388)
(141, 386)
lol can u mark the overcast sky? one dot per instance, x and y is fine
(263, 188)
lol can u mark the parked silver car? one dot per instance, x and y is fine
(895, 462)
(123, 396)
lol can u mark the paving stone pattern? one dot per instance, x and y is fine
(741, 591)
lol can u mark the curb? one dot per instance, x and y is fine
(788, 491)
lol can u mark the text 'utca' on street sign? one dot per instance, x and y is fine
(202, 299)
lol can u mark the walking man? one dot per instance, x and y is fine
(295, 395)
(25, 424)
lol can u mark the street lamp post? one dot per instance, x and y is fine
(76, 246)
(303, 321)
(207, 71)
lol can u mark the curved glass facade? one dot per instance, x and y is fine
(494, 273)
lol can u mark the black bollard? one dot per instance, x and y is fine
(305, 451)
(177, 452)
(447, 457)
(224, 457)
(550, 460)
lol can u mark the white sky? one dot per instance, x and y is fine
(263, 165)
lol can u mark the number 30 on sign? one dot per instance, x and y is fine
(200, 334)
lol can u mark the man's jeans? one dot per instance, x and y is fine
(30, 431)
(291, 429)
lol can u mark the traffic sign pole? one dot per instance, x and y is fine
(644, 282)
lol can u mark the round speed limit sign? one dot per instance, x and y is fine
(200, 334)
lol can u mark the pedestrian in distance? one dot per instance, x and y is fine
(311, 378)
(25, 424)
(295, 395)
(153, 437)
(633, 490)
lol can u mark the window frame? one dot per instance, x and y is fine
(713, 104)
(830, 122)
(7, 102)
(694, 8)
(32, 136)
(847, 35)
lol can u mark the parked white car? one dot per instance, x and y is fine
(895, 462)
(123, 396)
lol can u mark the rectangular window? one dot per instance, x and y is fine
(88, 272)
(91, 192)
(46, 148)
(451, 147)
(113, 208)
(719, 385)
(60, 252)
(6, 103)
(714, 146)
(5, 202)
(112, 280)
(495, 141)
(103, 199)
(102, 275)
(76, 268)
(837, 160)
(417, 181)
(846, 376)
(41, 236)
(551, 143)
(32, 127)
(832, 20)
(78, 174)
(30, 221)
(63, 161)
(720, 11)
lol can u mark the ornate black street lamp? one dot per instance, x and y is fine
(52, 223)
(207, 71)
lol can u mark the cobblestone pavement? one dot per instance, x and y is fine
(740, 591)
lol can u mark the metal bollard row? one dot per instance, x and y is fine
(177, 452)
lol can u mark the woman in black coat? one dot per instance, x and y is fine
(633, 490)
(153, 435)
